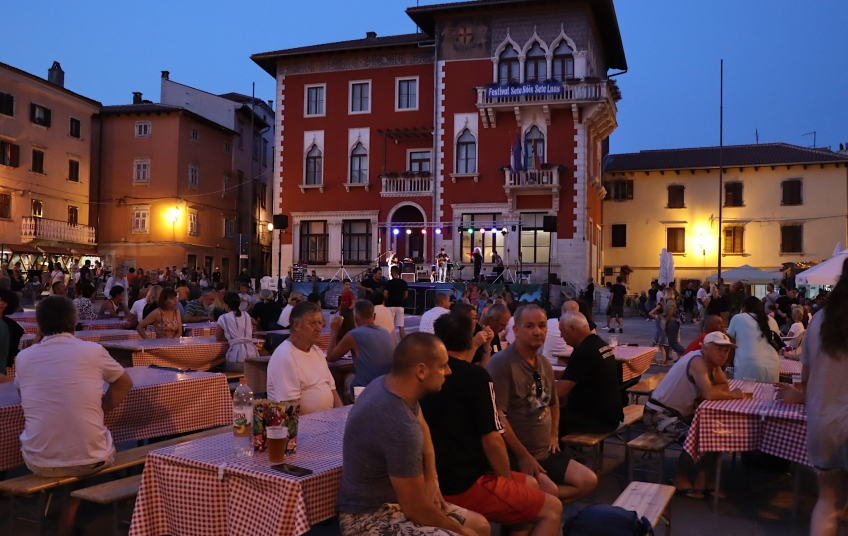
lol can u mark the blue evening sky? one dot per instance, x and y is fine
(785, 61)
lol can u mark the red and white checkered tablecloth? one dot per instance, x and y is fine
(749, 424)
(195, 353)
(200, 488)
(160, 403)
(27, 340)
(26, 316)
(30, 328)
(789, 366)
(196, 329)
(105, 335)
(256, 370)
(635, 360)
(107, 323)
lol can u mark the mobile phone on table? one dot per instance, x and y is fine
(291, 469)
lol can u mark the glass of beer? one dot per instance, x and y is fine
(276, 442)
(613, 341)
(207, 332)
(796, 381)
(748, 385)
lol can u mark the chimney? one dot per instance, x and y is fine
(370, 35)
(136, 97)
(271, 103)
(166, 74)
(55, 75)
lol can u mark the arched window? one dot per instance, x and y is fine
(466, 153)
(359, 165)
(534, 148)
(314, 166)
(536, 65)
(508, 67)
(563, 64)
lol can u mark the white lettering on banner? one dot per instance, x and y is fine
(495, 91)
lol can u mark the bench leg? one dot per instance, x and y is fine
(115, 518)
(668, 521)
(795, 484)
(628, 460)
(660, 467)
(41, 506)
(717, 483)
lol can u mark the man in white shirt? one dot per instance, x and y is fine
(703, 293)
(442, 307)
(60, 381)
(119, 277)
(298, 368)
(555, 345)
(383, 316)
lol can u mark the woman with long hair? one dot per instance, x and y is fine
(236, 327)
(166, 320)
(672, 321)
(143, 307)
(755, 359)
(824, 375)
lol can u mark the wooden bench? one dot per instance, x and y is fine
(111, 493)
(651, 444)
(648, 500)
(645, 387)
(31, 484)
(576, 442)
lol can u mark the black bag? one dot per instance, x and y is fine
(775, 341)
(605, 520)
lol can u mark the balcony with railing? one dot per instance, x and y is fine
(406, 185)
(532, 178)
(44, 229)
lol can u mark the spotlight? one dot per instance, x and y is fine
(471, 230)
(504, 231)
(482, 229)
(438, 231)
(423, 231)
(395, 232)
(409, 231)
(494, 230)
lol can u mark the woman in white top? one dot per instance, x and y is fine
(755, 359)
(56, 275)
(796, 332)
(236, 327)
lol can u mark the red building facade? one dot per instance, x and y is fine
(463, 135)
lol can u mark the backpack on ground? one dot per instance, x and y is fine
(605, 520)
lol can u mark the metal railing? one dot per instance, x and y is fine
(582, 91)
(32, 228)
(532, 177)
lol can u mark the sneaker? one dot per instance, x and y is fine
(620, 330)
(606, 328)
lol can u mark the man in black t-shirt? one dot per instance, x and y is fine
(372, 284)
(471, 456)
(395, 290)
(617, 293)
(590, 382)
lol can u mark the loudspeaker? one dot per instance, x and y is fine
(549, 224)
(281, 221)
(408, 277)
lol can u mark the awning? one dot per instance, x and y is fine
(53, 250)
(85, 252)
(19, 248)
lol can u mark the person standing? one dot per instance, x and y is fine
(589, 294)
(396, 291)
(672, 321)
(701, 299)
(118, 278)
(372, 284)
(442, 260)
(391, 486)
(477, 259)
(617, 293)
(755, 357)
(689, 302)
(10, 331)
(216, 275)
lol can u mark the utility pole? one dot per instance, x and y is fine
(720, 168)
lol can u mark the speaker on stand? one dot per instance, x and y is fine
(549, 225)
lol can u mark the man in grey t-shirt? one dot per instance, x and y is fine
(529, 410)
(389, 481)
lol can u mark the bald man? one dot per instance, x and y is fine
(555, 346)
(711, 323)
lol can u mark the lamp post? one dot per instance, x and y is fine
(279, 260)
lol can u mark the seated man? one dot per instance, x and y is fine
(371, 345)
(389, 481)
(525, 391)
(471, 456)
(441, 307)
(590, 383)
(61, 386)
(298, 369)
(200, 310)
(711, 323)
(383, 317)
(495, 318)
(555, 345)
(694, 377)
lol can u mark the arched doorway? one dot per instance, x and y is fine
(409, 240)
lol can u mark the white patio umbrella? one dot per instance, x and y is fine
(746, 274)
(837, 250)
(666, 268)
(826, 273)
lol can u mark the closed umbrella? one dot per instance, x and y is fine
(666, 268)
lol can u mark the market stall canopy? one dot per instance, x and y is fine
(746, 274)
(19, 248)
(54, 250)
(826, 273)
(84, 252)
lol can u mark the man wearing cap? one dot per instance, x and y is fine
(694, 377)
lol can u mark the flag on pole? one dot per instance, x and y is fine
(515, 162)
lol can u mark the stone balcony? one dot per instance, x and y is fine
(62, 231)
(406, 186)
(533, 182)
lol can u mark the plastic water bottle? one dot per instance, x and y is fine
(243, 420)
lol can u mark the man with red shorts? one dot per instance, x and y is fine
(471, 456)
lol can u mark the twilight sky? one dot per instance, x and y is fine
(785, 61)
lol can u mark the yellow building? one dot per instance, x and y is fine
(780, 204)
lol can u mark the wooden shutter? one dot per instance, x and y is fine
(629, 189)
(15, 155)
(47, 117)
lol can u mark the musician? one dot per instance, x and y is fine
(498, 262)
(442, 260)
(392, 260)
(477, 257)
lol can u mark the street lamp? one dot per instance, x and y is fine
(279, 259)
